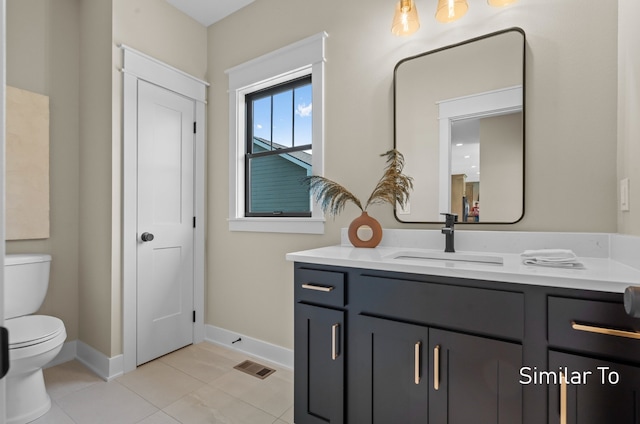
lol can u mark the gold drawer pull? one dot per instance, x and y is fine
(334, 344)
(436, 367)
(607, 331)
(563, 399)
(317, 287)
(416, 364)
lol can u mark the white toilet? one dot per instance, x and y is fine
(34, 340)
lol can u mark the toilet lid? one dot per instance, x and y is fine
(32, 329)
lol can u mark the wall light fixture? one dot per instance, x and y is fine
(406, 22)
(451, 10)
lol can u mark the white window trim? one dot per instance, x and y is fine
(295, 60)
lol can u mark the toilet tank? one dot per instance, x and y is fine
(26, 279)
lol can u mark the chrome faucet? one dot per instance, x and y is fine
(447, 230)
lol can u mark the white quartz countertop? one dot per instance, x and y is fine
(599, 273)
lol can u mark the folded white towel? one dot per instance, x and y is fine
(558, 258)
(549, 253)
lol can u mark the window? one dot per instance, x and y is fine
(276, 122)
(278, 150)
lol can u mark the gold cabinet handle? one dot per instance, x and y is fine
(604, 330)
(334, 342)
(436, 367)
(563, 399)
(416, 362)
(317, 287)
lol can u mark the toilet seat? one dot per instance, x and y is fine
(31, 330)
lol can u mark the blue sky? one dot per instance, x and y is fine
(282, 119)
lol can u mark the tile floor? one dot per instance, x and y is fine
(196, 384)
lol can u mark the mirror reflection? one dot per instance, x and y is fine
(459, 122)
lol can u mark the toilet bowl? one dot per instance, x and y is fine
(34, 340)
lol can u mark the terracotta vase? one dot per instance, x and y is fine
(365, 221)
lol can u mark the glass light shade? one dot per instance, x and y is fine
(451, 10)
(405, 20)
(500, 3)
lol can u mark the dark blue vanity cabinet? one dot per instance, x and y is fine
(319, 335)
(409, 367)
(597, 346)
(319, 354)
(386, 347)
(598, 401)
(415, 374)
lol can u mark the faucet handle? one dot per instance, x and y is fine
(450, 218)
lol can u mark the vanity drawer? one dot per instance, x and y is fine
(481, 311)
(319, 286)
(592, 326)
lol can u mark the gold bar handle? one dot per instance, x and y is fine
(436, 367)
(317, 287)
(416, 364)
(334, 344)
(563, 399)
(604, 330)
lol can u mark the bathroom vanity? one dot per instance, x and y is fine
(383, 336)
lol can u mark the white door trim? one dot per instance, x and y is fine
(138, 66)
(480, 105)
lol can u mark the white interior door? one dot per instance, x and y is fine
(165, 221)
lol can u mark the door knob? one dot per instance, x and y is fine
(146, 236)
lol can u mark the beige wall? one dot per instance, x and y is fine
(571, 124)
(43, 38)
(501, 168)
(95, 175)
(628, 112)
(156, 28)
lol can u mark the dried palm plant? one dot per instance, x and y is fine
(393, 188)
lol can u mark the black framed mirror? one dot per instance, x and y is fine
(459, 121)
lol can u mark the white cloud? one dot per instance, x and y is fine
(304, 110)
(258, 126)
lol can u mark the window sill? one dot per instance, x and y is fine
(278, 225)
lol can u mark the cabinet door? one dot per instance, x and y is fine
(587, 398)
(319, 364)
(391, 360)
(475, 380)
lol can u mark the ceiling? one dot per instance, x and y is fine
(208, 12)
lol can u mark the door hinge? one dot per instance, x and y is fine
(194, 222)
(194, 127)
(194, 316)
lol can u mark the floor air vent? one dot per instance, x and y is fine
(255, 369)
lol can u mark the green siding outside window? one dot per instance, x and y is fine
(276, 184)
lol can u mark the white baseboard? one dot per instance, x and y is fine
(103, 366)
(110, 368)
(254, 347)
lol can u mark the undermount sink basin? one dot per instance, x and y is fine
(455, 256)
